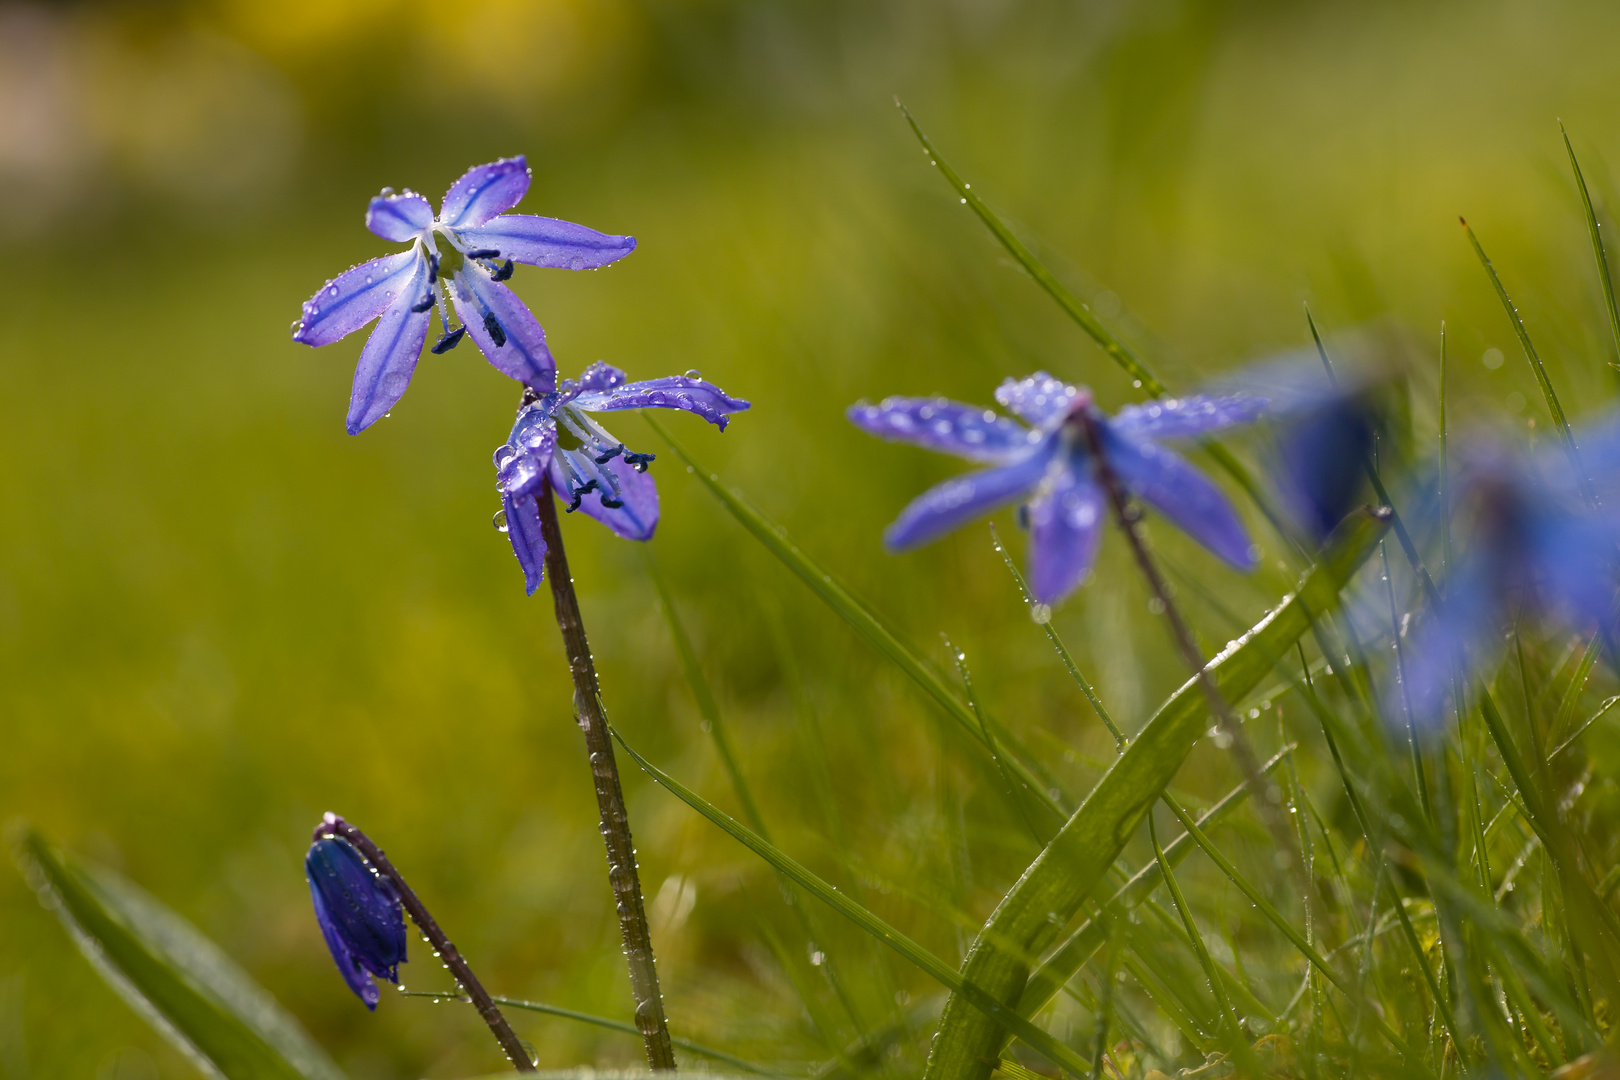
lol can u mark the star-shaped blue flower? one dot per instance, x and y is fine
(1049, 469)
(555, 437)
(1530, 546)
(359, 913)
(466, 252)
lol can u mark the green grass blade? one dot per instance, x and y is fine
(995, 1011)
(1066, 300)
(178, 980)
(1553, 407)
(1595, 231)
(1054, 886)
(858, 615)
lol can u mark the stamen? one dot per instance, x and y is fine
(1022, 516)
(493, 326)
(612, 504)
(580, 493)
(433, 269)
(427, 302)
(504, 272)
(639, 462)
(484, 253)
(449, 341)
(611, 454)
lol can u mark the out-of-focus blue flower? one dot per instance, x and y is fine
(556, 438)
(466, 252)
(1049, 468)
(1529, 545)
(359, 913)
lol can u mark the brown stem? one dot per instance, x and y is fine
(621, 851)
(1226, 720)
(442, 946)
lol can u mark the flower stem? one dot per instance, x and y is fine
(1226, 720)
(442, 946)
(621, 852)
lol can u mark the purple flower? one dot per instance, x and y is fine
(1529, 546)
(358, 912)
(1049, 469)
(556, 439)
(460, 253)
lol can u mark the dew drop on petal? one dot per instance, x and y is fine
(694, 373)
(499, 521)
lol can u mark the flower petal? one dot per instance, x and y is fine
(354, 298)
(948, 426)
(543, 241)
(671, 392)
(347, 965)
(1455, 639)
(521, 351)
(484, 191)
(1065, 527)
(521, 463)
(1181, 418)
(361, 908)
(961, 499)
(636, 519)
(1039, 400)
(389, 358)
(1181, 493)
(523, 529)
(399, 217)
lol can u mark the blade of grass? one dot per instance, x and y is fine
(858, 615)
(1553, 407)
(930, 964)
(176, 979)
(1595, 231)
(1052, 889)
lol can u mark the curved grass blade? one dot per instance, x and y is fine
(1565, 436)
(862, 618)
(612, 1025)
(1595, 231)
(178, 980)
(801, 875)
(1051, 890)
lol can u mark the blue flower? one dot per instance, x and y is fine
(358, 912)
(458, 253)
(556, 438)
(1529, 545)
(1049, 469)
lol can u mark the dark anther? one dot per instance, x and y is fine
(427, 302)
(639, 461)
(493, 325)
(580, 492)
(433, 269)
(449, 341)
(504, 272)
(483, 253)
(1023, 517)
(611, 454)
(612, 504)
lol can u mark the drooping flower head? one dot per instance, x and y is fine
(464, 252)
(555, 438)
(1529, 545)
(1049, 469)
(359, 912)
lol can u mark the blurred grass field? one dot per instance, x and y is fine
(220, 616)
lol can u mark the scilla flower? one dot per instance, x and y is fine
(1528, 545)
(465, 252)
(358, 912)
(1049, 469)
(555, 437)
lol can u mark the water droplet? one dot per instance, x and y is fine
(1041, 613)
(694, 373)
(529, 1051)
(499, 521)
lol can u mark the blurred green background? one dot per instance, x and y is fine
(220, 616)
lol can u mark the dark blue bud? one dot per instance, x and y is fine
(483, 253)
(359, 914)
(504, 272)
(449, 341)
(493, 326)
(427, 302)
(433, 269)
